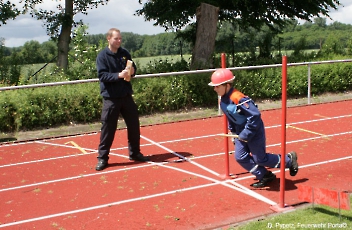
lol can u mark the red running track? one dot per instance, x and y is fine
(52, 183)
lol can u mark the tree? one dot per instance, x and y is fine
(59, 25)
(207, 16)
(8, 11)
(349, 46)
(321, 22)
(175, 15)
(10, 71)
(226, 40)
(332, 45)
(49, 51)
(32, 53)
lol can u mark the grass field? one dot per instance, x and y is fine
(308, 217)
(141, 62)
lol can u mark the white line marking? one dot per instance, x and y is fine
(152, 196)
(112, 171)
(179, 140)
(312, 138)
(182, 157)
(238, 187)
(42, 160)
(310, 121)
(103, 206)
(52, 158)
(68, 178)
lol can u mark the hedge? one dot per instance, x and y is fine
(46, 107)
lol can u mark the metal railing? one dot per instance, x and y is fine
(309, 64)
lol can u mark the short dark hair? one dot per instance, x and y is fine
(110, 31)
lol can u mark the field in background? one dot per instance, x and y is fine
(141, 62)
(144, 61)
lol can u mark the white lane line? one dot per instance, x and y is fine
(42, 160)
(183, 139)
(51, 158)
(154, 195)
(180, 156)
(162, 142)
(267, 127)
(91, 150)
(311, 121)
(103, 206)
(72, 178)
(215, 182)
(238, 187)
(312, 138)
(235, 186)
(112, 171)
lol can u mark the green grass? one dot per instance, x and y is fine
(143, 61)
(30, 69)
(312, 217)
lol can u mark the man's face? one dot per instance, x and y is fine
(115, 40)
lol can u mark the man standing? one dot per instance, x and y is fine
(116, 90)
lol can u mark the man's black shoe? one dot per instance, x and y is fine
(101, 164)
(268, 177)
(294, 164)
(140, 158)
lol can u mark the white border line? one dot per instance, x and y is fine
(153, 196)
(112, 171)
(238, 187)
(315, 120)
(183, 139)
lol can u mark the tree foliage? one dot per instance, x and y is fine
(9, 67)
(59, 24)
(175, 15)
(230, 40)
(8, 11)
(172, 15)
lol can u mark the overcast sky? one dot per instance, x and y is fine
(117, 13)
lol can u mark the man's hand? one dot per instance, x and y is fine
(124, 73)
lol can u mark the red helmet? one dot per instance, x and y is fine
(221, 76)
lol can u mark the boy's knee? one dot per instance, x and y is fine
(242, 157)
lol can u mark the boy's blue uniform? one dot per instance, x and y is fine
(245, 120)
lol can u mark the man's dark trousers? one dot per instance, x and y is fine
(112, 107)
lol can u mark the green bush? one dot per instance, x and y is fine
(47, 107)
(162, 94)
(29, 109)
(7, 112)
(331, 78)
